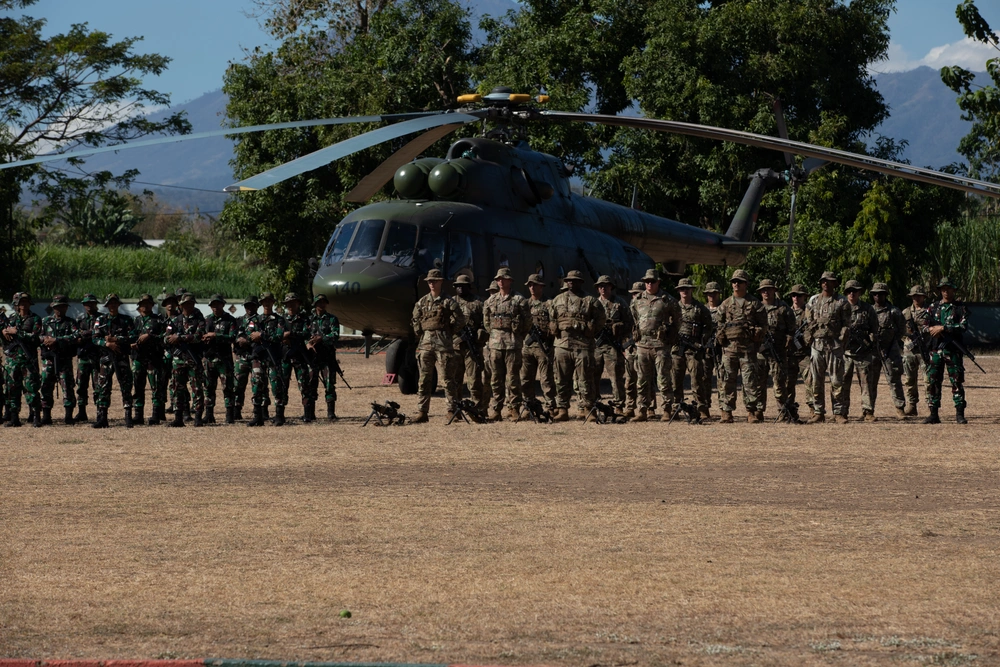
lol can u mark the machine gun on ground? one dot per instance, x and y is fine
(467, 410)
(537, 411)
(386, 414)
(690, 410)
(606, 414)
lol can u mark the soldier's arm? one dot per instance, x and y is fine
(599, 314)
(674, 327)
(333, 335)
(526, 319)
(553, 321)
(488, 315)
(457, 316)
(789, 327)
(415, 321)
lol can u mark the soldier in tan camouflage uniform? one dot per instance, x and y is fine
(610, 348)
(536, 355)
(827, 318)
(915, 346)
(859, 356)
(631, 357)
(656, 320)
(799, 358)
(713, 355)
(891, 329)
(436, 320)
(742, 324)
(689, 353)
(780, 328)
(507, 318)
(468, 365)
(574, 320)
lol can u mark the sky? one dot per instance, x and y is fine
(203, 36)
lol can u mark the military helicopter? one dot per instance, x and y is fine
(493, 202)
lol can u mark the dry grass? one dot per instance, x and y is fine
(510, 543)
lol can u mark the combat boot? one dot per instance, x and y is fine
(68, 419)
(493, 415)
(258, 416)
(932, 418)
(910, 410)
(561, 415)
(753, 418)
(421, 418)
(198, 421)
(81, 415)
(46, 417)
(310, 412)
(641, 415)
(101, 421)
(816, 418)
(840, 419)
(188, 415)
(178, 421)
(267, 413)
(138, 415)
(704, 413)
(513, 416)
(760, 415)
(237, 413)
(279, 415)
(665, 417)
(128, 417)
(209, 415)
(331, 410)
(13, 419)
(726, 418)
(629, 413)
(156, 415)
(230, 417)
(900, 414)
(960, 415)
(870, 417)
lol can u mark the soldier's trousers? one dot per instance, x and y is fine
(468, 374)
(574, 367)
(631, 380)
(911, 371)
(894, 363)
(427, 361)
(777, 370)
(259, 375)
(607, 357)
(798, 367)
(867, 369)
(324, 369)
(153, 371)
(941, 359)
(187, 373)
(303, 376)
(733, 366)
(693, 365)
(536, 369)
(216, 368)
(505, 369)
(653, 373)
(87, 370)
(821, 362)
(21, 377)
(64, 377)
(112, 367)
(242, 369)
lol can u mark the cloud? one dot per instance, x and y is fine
(966, 52)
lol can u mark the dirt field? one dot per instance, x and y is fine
(565, 544)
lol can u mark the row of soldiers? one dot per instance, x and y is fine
(177, 351)
(564, 345)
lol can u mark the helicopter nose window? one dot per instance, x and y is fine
(338, 242)
(400, 244)
(459, 255)
(367, 240)
(430, 250)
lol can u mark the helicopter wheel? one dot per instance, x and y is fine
(401, 360)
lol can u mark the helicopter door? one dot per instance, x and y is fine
(509, 253)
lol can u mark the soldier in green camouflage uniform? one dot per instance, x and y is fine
(741, 329)
(713, 356)
(294, 354)
(799, 359)
(891, 328)
(688, 354)
(243, 365)
(915, 347)
(574, 321)
(148, 364)
(184, 334)
(20, 342)
(266, 331)
(945, 323)
(59, 339)
(436, 319)
(507, 319)
(631, 358)
(324, 332)
(860, 353)
(4, 411)
(221, 330)
(656, 318)
(610, 345)
(469, 366)
(536, 355)
(114, 335)
(780, 329)
(827, 318)
(169, 309)
(87, 356)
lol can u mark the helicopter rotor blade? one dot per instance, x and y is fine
(791, 228)
(175, 138)
(325, 156)
(866, 162)
(811, 164)
(373, 182)
(779, 119)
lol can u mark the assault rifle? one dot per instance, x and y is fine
(690, 411)
(917, 337)
(769, 349)
(340, 372)
(799, 337)
(605, 414)
(537, 411)
(685, 343)
(536, 336)
(606, 337)
(468, 335)
(386, 415)
(961, 348)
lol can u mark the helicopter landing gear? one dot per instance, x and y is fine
(401, 360)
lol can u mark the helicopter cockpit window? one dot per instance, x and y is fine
(459, 254)
(400, 244)
(430, 250)
(367, 240)
(339, 242)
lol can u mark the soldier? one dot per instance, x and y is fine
(436, 320)
(891, 328)
(631, 357)
(742, 326)
(294, 354)
(656, 319)
(148, 362)
(184, 334)
(799, 358)
(945, 323)
(243, 364)
(324, 332)
(536, 355)
(827, 318)
(860, 352)
(487, 374)
(266, 331)
(713, 355)
(21, 338)
(113, 334)
(4, 410)
(574, 321)
(59, 340)
(780, 329)
(610, 345)
(915, 347)
(87, 356)
(469, 363)
(689, 352)
(221, 330)
(507, 318)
